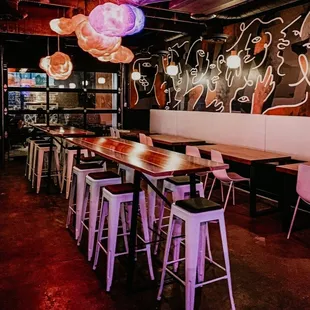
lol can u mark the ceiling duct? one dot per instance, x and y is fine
(9, 11)
(263, 7)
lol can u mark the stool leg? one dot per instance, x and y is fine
(226, 259)
(93, 212)
(166, 255)
(31, 146)
(33, 166)
(145, 226)
(39, 169)
(69, 173)
(103, 215)
(202, 252)
(177, 195)
(191, 255)
(159, 224)
(56, 158)
(71, 199)
(64, 171)
(113, 217)
(205, 181)
(27, 161)
(80, 190)
(151, 203)
(124, 227)
(83, 213)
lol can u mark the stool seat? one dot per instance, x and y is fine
(87, 166)
(87, 159)
(198, 205)
(118, 189)
(103, 175)
(181, 180)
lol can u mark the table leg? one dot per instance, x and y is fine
(253, 191)
(192, 184)
(285, 202)
(133, 230)
(49, 171)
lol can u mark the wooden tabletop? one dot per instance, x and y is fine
(150, 160)
(64, 131)
(242, 154)
(291, 168)
(175, 140)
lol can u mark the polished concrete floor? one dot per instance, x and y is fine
(41, 266)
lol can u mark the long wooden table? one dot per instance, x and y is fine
(173, 141)
(247, 156)
(147, 160)
(59, 131)
(288, 177)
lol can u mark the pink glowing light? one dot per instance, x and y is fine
(139, 21)
(95, 43)
(113, 20)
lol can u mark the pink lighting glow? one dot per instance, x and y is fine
(116, 20)
(95, 43)
(58, 66)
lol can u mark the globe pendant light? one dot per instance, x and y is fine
(233, 61)
(172, 69)
(135, 75)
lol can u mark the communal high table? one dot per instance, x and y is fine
(151, 161)
(249, 157)
(58, 131)
(289, 176)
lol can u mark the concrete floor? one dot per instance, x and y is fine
(42, 268)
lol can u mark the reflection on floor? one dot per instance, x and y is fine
(42, 268)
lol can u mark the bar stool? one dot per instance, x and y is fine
(40, 150)
(196, 213)
(180, 189)
(77, 191)
(94, 182)
(129, 172)
(113, 199)
(67, 168)
(29, 159)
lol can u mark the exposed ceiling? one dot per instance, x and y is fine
(164, 20)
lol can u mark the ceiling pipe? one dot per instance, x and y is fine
(262, 8)
(54, 3)
(173, 19)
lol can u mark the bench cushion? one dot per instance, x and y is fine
(198, 205)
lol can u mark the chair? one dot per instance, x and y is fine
(112, 132)
(302, 189)
(225, 177)
(149, 141)
(194, 151)
(142, 138)
(196, 213)
(117, 133)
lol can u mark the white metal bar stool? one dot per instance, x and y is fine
(40, 150)
(129, 172)
(196, 212)
(180, 189)
(67, 168)
(77, 191)
(29, 160)
(116, 196)
(94, 182)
